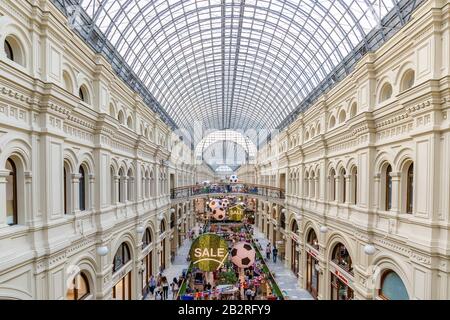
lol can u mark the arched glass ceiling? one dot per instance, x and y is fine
(218, 137)
(235, 63)
(224, 169)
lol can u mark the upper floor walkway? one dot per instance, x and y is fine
(221, 189)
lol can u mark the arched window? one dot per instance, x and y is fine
(9, 50)
(130, 122)
(312, 239)
(294, 227)
(313, 133)
(306, 185)
(306, 135)
(78, 288)
(147, 238)
(162, 227)
(83, 94)
(121, 117)
(342, 258)
(312, 188)
(342, 116)
(282, 220)
(130, 184)
(386, 92)
(82, 189)
(67, 82)
(332, 122)
(407, 80)
(67, 189)
(152, 185)
(318, 128)
(410, 188)
(343, 183)
(112, 111)
(112, 182)
(121, 185)
(332, 185)
(392, 287)
(172, 220)
(354, 178)
(11, 193)
(122, 257)
(388, 188)
(353, 109)
(13, 50)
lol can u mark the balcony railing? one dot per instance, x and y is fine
(243, 188)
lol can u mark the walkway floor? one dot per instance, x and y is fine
(177, 266)
(286, 279)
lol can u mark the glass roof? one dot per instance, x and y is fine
(225, 148)
(235, 64)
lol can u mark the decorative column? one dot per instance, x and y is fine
(337, 189)
(91, 192)
(124, 182)
(116, 183)
(317, 187)
(29, 197)
(348, 188)
(396, 176)
(76, 191)
(377, 186)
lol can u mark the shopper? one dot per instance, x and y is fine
(174, 287)
(268, 249)
(152, 284)
(165, 288)
(248, 293)
(158, 291)
(274, 254)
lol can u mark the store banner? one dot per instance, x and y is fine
(208, 252)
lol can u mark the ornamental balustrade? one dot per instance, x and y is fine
(227, 188)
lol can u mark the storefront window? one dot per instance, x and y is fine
(342, 258)
(340, 290)
(122, 289)
(79, 288)
(312, 239)
(312, 276)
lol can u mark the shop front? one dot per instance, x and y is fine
(147, 261)
(341, 274)
(122, 271)
(312, 264)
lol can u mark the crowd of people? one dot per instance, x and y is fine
(158, 287)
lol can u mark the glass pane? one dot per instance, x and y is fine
(11, 193)
(393, 287)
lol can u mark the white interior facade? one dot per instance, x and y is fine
(107, 106)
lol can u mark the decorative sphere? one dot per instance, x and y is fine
(369, 249)
(102, 251)
(323, 229)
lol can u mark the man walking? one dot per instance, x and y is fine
(275, 254)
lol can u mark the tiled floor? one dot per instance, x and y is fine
(285, 278)
(176, 269)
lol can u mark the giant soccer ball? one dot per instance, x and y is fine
(243, 255)
(234, 178)
(225, 203)
(219, 213)
(214, 203)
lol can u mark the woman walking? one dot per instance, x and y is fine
(165, 288)
(174, 286)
